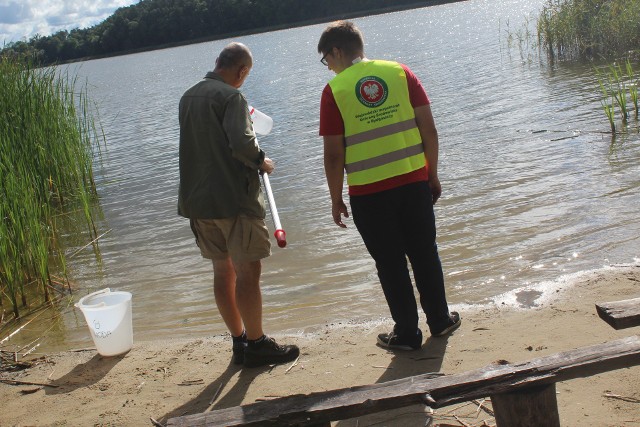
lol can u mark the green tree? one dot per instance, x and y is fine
(153, 23)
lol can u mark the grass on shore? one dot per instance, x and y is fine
(48, 142)
(589, 28)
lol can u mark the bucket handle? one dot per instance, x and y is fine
(100, 304)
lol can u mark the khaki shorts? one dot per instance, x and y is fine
(241, 238)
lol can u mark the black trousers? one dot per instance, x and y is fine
(395, 225)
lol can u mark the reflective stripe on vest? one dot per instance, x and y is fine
(381, 136)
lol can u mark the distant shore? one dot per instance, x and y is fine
(271, 28)
(165, 379)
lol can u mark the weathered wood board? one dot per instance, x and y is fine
(620, 314)
(435, 391)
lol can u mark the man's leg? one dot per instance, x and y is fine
(249, 297)
(261, 350)
(376, 218)
(247, 265)
(224, 289)
(422, 250)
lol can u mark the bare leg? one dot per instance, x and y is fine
(224, 289)
(249, 297)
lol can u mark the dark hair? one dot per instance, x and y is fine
(234, 55)
(343, 35)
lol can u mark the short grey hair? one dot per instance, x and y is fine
(234, 55)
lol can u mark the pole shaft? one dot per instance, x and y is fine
(272, 201)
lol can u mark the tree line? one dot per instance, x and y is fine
(156, 23)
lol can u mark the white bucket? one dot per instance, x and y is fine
(108, 315)
(262, 123)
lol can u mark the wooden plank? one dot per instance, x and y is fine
(438, 391)
(620, 314)
(531, 407)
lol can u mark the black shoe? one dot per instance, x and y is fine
(397, 342)
(451, 325)
(238, 352)
(267, 352)
(239, 344)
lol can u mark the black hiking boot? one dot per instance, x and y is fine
(266, 351)
(239, 345)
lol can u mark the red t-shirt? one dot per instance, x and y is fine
(331, 123)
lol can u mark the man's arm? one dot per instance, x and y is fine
(242, 139)
(334, 154)
(429, 134)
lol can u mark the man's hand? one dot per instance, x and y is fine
(267, 165)
(436, 188)
(339, 209)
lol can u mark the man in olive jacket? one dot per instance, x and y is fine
(221, 195)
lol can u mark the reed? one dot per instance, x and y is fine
(633, 86)
(589, 28)
(613, 83)
(610, 113)
(618, 89)
(607, 101)
(48, 142)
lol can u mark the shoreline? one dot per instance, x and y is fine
(168, 378)
(76, 336)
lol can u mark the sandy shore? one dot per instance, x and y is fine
(164, 379)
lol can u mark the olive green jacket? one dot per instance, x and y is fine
(219, 153)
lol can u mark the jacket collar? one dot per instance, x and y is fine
(214, 76)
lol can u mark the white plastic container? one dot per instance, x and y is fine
(262, 123)
(108, 315)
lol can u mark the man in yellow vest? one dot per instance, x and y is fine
(377, 126)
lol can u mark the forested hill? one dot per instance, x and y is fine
(152, 24)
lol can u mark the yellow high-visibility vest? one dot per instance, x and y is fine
(381, 136)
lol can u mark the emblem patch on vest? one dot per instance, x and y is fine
(371, 91)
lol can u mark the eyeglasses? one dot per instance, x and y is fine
(323, 60)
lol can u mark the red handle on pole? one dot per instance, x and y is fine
(281, 238)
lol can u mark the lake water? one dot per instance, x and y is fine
(534, 189)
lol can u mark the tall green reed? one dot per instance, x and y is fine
(613, 83)
(618, 89)
(633, 86)
(589, 28)
(48, 142)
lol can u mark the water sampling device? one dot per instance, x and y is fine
(262, 125)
